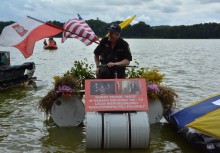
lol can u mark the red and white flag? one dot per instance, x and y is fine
(24, 34)
(80, 30)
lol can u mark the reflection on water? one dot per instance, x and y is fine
(15, 93)
(8, 100)
(191, 68)
(63, 138)
(164, 137)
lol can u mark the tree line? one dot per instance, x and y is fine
(143, 30)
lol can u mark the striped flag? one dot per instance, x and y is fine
(23, 35)
(80, 18)
(80, 30)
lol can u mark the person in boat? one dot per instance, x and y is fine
(112, 51)
(51, 41)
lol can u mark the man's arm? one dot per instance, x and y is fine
(96, 57)
(124, 62)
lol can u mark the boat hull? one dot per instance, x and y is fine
(50, 47)
(14, 75)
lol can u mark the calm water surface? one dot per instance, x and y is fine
(191, 68)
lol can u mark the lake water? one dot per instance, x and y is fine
(191, 68)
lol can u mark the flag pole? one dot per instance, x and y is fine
(52, 25)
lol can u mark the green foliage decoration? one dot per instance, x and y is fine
(81, 70)
(152, 76)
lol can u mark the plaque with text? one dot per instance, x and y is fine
(116, 95)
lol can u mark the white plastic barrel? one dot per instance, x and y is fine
(155, 111)
(117, 130)
(68, 111)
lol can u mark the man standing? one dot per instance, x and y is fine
(114, 52)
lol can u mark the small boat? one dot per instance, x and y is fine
(50, 47)
(199, 123)
(14, 75)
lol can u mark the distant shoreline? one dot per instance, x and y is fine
(142, 30)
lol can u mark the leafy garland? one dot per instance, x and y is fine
(73, 81)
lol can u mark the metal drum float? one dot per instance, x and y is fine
(155, 111)
(117, 130)
(68, 111)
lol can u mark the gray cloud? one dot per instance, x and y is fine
(152, 12)
(209, 1)
(169, 9)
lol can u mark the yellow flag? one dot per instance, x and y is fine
(125, 23)
(208, 123)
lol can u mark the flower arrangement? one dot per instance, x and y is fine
(67, 85)
(63, 86)
(153, 87)
(64, 90)
(152, 91)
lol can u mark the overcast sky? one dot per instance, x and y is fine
(152, 12)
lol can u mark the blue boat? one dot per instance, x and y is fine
(199, 123)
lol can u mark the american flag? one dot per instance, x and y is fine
(80, 30)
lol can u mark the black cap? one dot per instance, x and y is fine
(114, 28)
